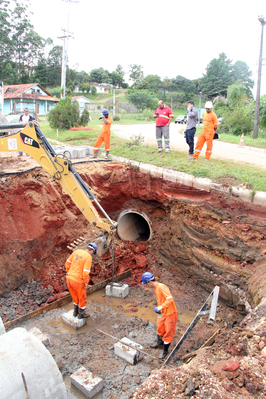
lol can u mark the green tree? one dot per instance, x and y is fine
(116, 79)
(242, 73)
(184, 85)
(64, 115)
(218, 76)
(9, 74)
(150, 82)
(136, 73)
(140, 98)
(100, 75)
(93, 90)
(54, 65)
(85, 117)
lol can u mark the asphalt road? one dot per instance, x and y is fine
(221, 150)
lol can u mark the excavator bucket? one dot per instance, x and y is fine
(82, 243)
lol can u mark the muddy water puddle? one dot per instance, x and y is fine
(129, 307)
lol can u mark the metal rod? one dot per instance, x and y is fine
(191, 326)
(132, 347)
(214, 303)
(25, 386)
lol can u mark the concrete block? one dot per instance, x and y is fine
(132, 356)
(242, 193)
(86, 382)
(202, 184)
(184, 178)
(2, 327)
(260, 198)
(72, 321)
(117, 290)
(42, 337)
(144, 168)
(156, 171)
(169, 175)
(215, 187)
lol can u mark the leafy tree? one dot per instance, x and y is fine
(236, 94)
(93, 90)
(242, 73)
(85, 117)
(150, 82)
(136, 73)
(116, 79)
(120, 70)
(9, 74)
(218, 76)
(100, 75)
(236, 121)
(184, 85)
(64, 115)
(140, 98)
(54, 64)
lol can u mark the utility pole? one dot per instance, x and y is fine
(257, 108)
(65, 51)
(113, 102)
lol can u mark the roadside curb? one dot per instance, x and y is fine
(199, 183)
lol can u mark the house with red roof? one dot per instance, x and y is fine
(29, 95)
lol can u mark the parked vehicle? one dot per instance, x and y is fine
(181, 119)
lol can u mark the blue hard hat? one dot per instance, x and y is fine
(146, 277)
(92, 247)
(105, 111)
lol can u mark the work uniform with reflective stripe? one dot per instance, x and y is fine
(166, 323)
(78, 267)
(162, 129)
(210, 124)
(104, 135)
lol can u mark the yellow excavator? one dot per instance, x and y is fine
(31, 140)
(131, 225)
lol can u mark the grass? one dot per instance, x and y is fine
(226, 172)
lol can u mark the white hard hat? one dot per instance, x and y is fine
(208, 104)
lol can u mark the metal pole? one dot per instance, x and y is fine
(3, 98)
(199, 107)
(257, 109)
(114, 102)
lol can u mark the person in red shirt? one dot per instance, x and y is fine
(167, 313)
(210, 124)
(163, 116)
(78, 267)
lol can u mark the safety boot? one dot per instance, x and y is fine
(106, 155)
(82, 314)
(157, 343)
(164, 351)
(76, 310)
(95, 154)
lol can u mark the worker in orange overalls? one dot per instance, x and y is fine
(104, 135)
(78, 267)
(210, 124)
(167, 313)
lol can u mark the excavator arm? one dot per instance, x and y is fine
(32, 141)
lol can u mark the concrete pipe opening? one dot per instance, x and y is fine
(133, 225)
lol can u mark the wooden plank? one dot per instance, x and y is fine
(209, 342)
(62, 301)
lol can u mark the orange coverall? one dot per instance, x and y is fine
(166, 324)
(104, 136)
(78, 267)
(210, 124)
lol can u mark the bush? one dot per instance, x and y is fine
(136, 139)
(85, 117)
(236, 121)
(65, 115)
(93, 90)
(116, 118)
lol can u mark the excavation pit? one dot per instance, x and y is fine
(198, 240)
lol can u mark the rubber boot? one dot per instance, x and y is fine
(83, 314)
(95, 154)
(164, 351)
(76, 310)
(158, 343)
(106, 155)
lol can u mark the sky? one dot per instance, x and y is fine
(168, 38)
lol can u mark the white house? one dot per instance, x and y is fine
(84, 102)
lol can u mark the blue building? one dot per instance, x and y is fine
(30, 95)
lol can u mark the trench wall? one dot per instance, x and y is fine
(212, 236)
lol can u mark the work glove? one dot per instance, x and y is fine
(101, 117)
(157, 309)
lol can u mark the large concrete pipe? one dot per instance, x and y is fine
(27, 369)
(133, 225)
